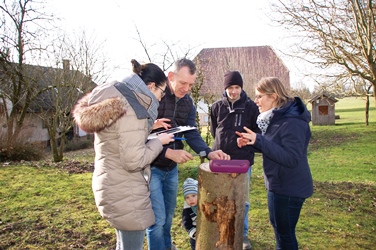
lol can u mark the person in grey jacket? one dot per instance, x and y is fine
(121, 115)
(285, 134)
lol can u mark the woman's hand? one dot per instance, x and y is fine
(165, 138)
(162, 122)
(247, 138)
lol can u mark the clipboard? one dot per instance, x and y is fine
(171, 131)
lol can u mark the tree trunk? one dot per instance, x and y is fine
(220, 219)
(367, 109)
(54, 149)
(53, 142)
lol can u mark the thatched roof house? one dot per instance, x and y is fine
(252, 62)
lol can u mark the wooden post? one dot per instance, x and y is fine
(220, 219)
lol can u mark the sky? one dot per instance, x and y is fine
(200, 24)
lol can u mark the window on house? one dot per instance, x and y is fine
(44, 124)
(323, 110)
(206, 118)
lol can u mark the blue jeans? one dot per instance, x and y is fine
(247, 204)
(163, 193)
(130, 240)
(284, 214)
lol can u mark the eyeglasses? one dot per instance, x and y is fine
(259, 96)
(163, 92)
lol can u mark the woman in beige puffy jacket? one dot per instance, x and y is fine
(121, 115)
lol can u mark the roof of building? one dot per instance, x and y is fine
(323, 96)
(43, 77)
(253, 62)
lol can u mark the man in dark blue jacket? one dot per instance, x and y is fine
(176, 109)
(231, 113)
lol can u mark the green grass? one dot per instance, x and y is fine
(44, 206)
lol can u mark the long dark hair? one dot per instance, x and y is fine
(149, 72)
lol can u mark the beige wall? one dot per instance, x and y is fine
(33, 130)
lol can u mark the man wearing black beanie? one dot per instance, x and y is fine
(233, 78)
(229, 114)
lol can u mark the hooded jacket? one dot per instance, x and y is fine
(284, 149)
(226, 118)
(189, 220)
(122, 154)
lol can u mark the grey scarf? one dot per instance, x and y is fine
(135, 83)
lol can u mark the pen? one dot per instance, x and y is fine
(179, 139)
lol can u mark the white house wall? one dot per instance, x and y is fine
(202, 110)
(33, 129)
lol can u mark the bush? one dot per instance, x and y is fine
(78, 144)
(21, 151)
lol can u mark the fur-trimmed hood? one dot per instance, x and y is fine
(96, 117)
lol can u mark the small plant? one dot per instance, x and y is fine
(77, 145)
(20, 150)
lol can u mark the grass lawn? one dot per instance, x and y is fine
(50, 206)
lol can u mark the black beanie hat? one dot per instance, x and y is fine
(233, 78)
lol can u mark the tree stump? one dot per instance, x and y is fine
(220, 219)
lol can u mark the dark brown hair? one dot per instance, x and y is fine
(149, 72)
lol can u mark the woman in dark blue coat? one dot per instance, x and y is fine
(284, 123)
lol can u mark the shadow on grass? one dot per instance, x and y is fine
(351, 110)
(323, 139)
(348, 193)
(362, 109)
(40, 235)
(346, 124)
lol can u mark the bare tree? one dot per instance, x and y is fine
(198, 94)
(336, 36)
(23, 25)
(87, 55)
(68, 80)
(195, 93)
(164, 53)
(301, 90)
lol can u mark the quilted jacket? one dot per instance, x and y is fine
(122, 155)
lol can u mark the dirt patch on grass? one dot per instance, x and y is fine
(348, 195)
(71, 165)
(322, 140)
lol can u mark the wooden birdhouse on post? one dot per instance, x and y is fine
(323, 109)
